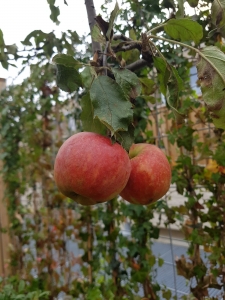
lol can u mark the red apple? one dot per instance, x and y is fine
(90, 168)
(150, 175)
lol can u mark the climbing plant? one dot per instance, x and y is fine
(142, 55)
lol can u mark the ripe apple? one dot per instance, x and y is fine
(150, 175)
(89, 168)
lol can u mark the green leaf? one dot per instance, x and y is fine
(35, 33)
(68, 78)
(170, 84)
(211, 74)
(167, 294)
(88, 75)
(55, 12)
(132, 34)
(184, 30)
(175, 86)
(66, 60)
(97, 36)
(160, 262)
(2, 42)
(21, 286)
(4, 63)
(112, 19)
(126, 138)
(193, 3)
(128, 81)
(110, 104)
(150, 99)
(140, 276)
(87, 117)
(148, 86)
(94, 294)
(185, 138)
(218, 15)
(168, 4)
(163, 73)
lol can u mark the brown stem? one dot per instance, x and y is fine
(90, 245)
(127, 46)
(139, 64)
(115, 270)
(90, 8)
(122, 37)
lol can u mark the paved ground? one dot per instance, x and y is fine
(166, 275)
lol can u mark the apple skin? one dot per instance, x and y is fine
(150, 175)
(90, 169)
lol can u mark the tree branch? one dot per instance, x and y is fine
(122, 37)
(90, 8)
(123, 46)
(137, 65)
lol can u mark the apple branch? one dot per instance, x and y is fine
(137, 65)
(90, 8)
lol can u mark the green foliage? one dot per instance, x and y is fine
(116, 94)
(184, 30)
(12, 289)
(110, 104)
(211, 73)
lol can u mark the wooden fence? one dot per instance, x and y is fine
(161, 126)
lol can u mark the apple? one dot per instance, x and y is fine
(150, 175)
(89, 168)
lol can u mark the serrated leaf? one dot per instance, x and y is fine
(68, 79)
(184, 30)
(212, 81)
(66, 60)
(128, 81)
(110, 104)
(97, 36)
(218, 15)
(90, 123)
(112, 19)
(126, 138)
(88, 75)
